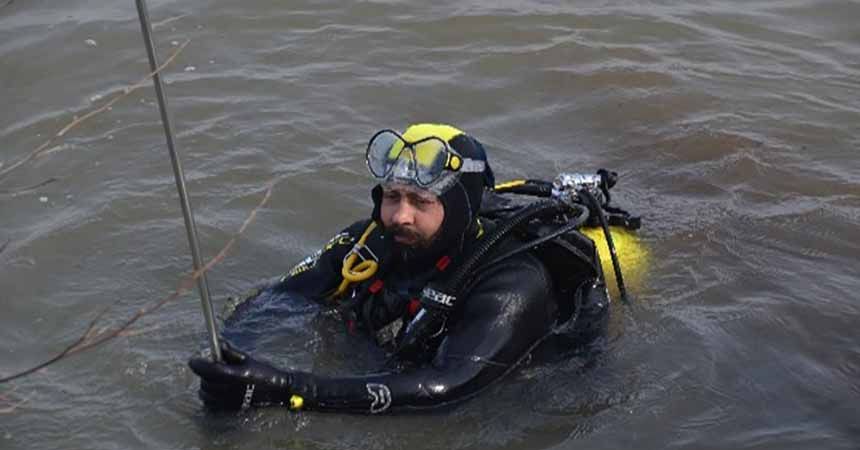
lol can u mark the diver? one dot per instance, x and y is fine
(457, 294)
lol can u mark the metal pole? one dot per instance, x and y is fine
(191, 228)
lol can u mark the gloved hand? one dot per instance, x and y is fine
(240, 381)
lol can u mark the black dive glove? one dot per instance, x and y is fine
(240, 381)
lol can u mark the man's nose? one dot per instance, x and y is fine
(404, 214)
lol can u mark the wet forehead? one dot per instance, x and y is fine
(409, 191)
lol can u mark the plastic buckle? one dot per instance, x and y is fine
(357, 250)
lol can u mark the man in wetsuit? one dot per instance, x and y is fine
(424, 223)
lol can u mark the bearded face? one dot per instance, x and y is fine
(412, 215)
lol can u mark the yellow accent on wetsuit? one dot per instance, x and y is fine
(509, 184)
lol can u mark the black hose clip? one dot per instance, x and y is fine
(607, 182)
(429, 323)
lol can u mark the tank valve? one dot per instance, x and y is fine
(566, 187)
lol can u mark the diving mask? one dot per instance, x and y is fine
(429, 162)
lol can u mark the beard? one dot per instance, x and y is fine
(411, 239)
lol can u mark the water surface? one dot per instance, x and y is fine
(734, 125)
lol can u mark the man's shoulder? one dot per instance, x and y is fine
(347, 236)
(350, 234)
(336, 246)
(519, 258)
(517, 286)
(355, 228)
(522, 270)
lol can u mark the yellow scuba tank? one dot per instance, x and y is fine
(633, 256)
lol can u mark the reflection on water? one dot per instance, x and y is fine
(733, 124)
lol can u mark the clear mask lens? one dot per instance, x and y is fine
(423, 161)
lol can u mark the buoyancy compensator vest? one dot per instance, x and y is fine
(409, 317)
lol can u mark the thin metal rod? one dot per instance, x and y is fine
(190, 226)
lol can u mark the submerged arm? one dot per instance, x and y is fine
(506, 314)
(509, 311)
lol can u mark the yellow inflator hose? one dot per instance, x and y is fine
(356, 273)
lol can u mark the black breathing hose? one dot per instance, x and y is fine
(571, 225)
(589, 197)
(536, 188)
(455, 283)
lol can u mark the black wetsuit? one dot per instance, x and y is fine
(505, 311)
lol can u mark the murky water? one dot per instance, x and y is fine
(735, 125)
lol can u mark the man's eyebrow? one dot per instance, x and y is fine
(422, 197)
